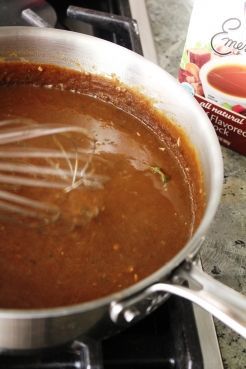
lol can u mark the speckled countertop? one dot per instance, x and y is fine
(224, 252)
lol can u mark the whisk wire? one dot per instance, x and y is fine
(23, 133)
(64, 166)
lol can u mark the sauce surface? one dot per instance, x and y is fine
(107, 237)
(230, 79)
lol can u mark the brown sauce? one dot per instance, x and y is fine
(104, 239)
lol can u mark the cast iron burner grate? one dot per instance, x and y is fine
(166, 339)
(110, 20)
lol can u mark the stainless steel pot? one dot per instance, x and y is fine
(33, 329)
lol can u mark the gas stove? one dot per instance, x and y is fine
(166, 339)
(177, 335)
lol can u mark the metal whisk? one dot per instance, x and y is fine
(26, 160)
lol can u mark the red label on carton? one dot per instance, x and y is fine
(230, 127)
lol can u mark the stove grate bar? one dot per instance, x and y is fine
(110, 22)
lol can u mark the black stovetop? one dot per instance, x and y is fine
(168, 338)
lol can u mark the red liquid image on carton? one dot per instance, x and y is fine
(213, 67)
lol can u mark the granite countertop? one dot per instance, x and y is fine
(224, 251)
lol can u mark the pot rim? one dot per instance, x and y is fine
(193, 245)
